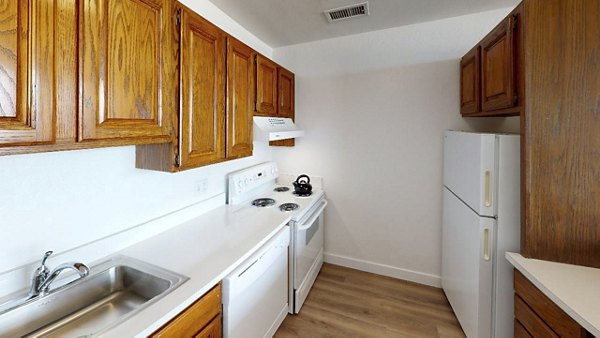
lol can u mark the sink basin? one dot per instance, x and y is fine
(114, 291)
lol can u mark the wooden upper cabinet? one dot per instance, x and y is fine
(498, 87)
(27, 79)
(266, 86)
(285, 89)
(127, 69)
(240, 98)
(491, 74)
(469, 82)
(202, 134)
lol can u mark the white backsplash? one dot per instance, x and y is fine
(63, 201)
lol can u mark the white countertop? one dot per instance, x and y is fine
(204, 249)
(575, 289)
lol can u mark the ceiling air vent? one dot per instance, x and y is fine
(347, 12)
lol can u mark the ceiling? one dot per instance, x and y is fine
(287, 22)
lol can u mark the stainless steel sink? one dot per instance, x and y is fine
(114, 291)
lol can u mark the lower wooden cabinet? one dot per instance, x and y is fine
(213, 330)
(201, 319)
(530, 321)
(520, 331)
(537, 316)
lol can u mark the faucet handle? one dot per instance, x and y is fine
(39, 275)
(46, 255)
(43, 270)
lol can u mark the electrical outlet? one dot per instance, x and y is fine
(202, 186)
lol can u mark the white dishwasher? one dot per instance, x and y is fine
(255, 294)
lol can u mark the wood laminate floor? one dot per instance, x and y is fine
(350, 303)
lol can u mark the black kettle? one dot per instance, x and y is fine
(302, 185)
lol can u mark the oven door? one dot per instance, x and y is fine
(307, 253)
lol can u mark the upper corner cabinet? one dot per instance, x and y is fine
(285, 85)
(469, 83)
(491, 79)
(127, 70)
(497, 68)
(27, 80)
(266, 86)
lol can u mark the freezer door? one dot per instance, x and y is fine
(470, 169)
(467, 265)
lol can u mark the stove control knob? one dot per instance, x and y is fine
(247, 181)
(240, 183)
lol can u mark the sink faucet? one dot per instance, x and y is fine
(42, 277)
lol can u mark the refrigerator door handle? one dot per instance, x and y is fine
(486, 245)
(487, 188)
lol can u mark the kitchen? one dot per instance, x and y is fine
(391, 164)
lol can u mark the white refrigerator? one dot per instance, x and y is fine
(481, 221)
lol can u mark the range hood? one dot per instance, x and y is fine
(275, 129)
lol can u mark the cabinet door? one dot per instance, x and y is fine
(213, 330)
(285, 88)
(202, 134)
(497, 68)
(266, 86)
(126, 69)
(203, 313)
(469, 82)
(27, 110)
(240, 99)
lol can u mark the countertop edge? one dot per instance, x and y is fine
(519, 262)
(169, 315)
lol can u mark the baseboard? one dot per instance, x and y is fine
(384, 270)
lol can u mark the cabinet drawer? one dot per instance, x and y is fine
(189, 322)
(520, 331)
(552, 315)
(531, 322)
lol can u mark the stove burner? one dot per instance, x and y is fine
(302, 194)
(281, 189)
(263, 202)
(288, 207)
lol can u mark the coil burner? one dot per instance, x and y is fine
(281, 189)
(263, 202)
(288, 207)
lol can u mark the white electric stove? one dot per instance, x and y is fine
(260, 188)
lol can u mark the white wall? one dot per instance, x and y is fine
(374, 107)
(59, 201)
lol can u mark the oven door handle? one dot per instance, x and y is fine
(316, 214)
